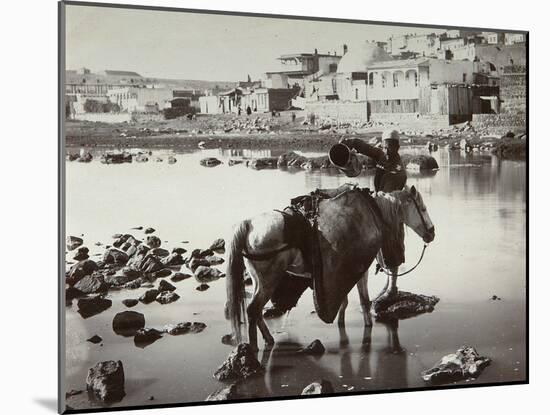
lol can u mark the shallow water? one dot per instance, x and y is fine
(478, 206)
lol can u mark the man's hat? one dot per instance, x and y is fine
(390, 135)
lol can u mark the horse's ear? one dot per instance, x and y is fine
(413, 191)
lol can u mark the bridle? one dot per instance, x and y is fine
(379, 267)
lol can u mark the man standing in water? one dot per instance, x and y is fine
(390, 176)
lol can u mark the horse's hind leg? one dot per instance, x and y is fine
(256, 320)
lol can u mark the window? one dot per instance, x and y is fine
(371, 79)
(398, 102)
(395, 80)
(384, 80)
(356, 94)
(386, 102)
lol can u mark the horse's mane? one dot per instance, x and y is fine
(390, 207)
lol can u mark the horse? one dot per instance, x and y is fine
(258, 245)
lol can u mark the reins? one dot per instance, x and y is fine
(379, 267)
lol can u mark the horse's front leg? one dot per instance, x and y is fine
(363, 290)
(342, 312)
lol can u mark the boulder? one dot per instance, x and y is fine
(202, 287)
(214, 260)
(71, 293)
(130, 302)
(160, 252)
(82, 254)
(318, 388)
(218, 246)
(92, 284)
(161, 273)
(133, 285)
(204, 274)
(172, 160)
(149, 230)
(466, 363)
(404, 305)
(153, 241)
(95, 339)
(121, 278)
(73, 242)
(80, 270)
(314, 348)
(240, 364)
(226, 393)
(210, 162)
(179, 276)
(115, 256)
(179, 250)
(419, 162)
(184, 328)
(196, 262)
(167, 297)
(173, 260)
(121, 239)
(145, 337)
(127, 323)
(106, 381)
(165, 286)
(149, 296)
(146, 263)
(90, 306)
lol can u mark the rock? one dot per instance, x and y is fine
(133, 285)
(225, 393)
(203, 253)
(218, 246)
(195, 262)
(153, 241)
(115, 256)
(161, 273)
(149, 296)
(147, 263)
(314, 348)
(146, 337)
(160, 252)
(167, 297)
(240, 364)
(318, 388)
(127, 323)
(179, 250)
(464, 364)
(184, 328)
(92, 284)
(122, 277)
(71, 293)
(90, 306)
(80, 270)
(179, 276)
(130, 302)
(173, 260)
(73, 242)
(138, 228)
(106, 381)
(495, 298)
(210, 162)
(121, 239)
(205, 274)
(419, 162)
(214, 260)
(82, 254)
(171, 160)
(404, 305)
(165, 286)
(202, 287)
(95, 339)
(149, 230)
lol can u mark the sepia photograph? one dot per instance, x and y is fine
(263, 207)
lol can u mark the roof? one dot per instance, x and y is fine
(306, 55)
(399, 63)
(121, 73)
(359, 58)
(291, 73)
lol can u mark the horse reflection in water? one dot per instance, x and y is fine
(352, 233)
(350, 366)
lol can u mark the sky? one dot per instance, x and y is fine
(183, 45)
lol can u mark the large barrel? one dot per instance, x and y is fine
(344, 159)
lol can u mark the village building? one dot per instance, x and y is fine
(145, 100)
(416, 45)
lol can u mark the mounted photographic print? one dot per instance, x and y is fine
(257, 207)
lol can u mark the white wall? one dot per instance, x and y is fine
(450, 71)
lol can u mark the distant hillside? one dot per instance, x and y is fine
(99, 78)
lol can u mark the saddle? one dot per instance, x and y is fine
(301, 232)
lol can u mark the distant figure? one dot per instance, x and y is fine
(293, 116)
(248, 110)
(239, 110)
(273, 113)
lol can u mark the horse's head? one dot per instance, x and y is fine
(415, 214)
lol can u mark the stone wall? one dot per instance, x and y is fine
(107, 117)
(499, 123)
(412, 120)
(339, 111)
(513, 90)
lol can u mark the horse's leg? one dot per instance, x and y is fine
(392, 289)
(363, 290)
(342, 312)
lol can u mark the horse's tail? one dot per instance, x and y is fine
(235, 306)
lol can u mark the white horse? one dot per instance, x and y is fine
(259, 244)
